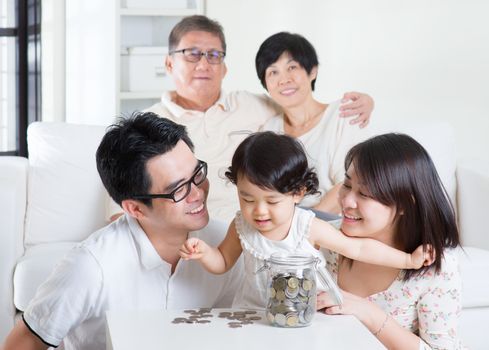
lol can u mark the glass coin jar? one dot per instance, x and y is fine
(292, 289)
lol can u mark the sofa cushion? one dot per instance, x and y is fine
(66, 198)
(34, 268)
(474, 267)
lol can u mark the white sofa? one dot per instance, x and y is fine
(55, 198)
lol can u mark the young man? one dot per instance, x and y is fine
(148, 167)
(217, 122)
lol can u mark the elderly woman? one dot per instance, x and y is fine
(287, 66)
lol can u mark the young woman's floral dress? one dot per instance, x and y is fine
(428, 305)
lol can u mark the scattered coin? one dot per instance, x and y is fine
(238, 318)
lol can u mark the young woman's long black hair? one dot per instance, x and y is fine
(398, 172)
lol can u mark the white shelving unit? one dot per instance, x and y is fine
(147, 28)
(101, 36)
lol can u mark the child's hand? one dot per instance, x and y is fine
(193, 248)
(422, 256)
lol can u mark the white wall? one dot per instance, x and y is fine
(91, 75)
(419, 59)
(53, 60)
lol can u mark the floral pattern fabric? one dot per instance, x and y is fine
(428, 305)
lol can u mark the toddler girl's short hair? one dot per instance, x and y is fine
(275, 162)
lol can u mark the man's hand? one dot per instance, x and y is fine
(360, 105)
(193, 249)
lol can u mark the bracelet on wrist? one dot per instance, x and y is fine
(376, 333)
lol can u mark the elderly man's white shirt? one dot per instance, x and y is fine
(117, 268)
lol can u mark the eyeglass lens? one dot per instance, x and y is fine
(197, 179)
(212, 56)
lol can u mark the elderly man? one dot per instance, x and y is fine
(148, 166)
(216, 121)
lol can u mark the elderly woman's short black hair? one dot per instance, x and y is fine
(298, 47)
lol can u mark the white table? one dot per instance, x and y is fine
(155, 330)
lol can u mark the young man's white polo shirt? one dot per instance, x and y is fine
(117, 268)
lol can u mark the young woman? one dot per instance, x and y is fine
(287, 66)
(271, 174)
(392, 193)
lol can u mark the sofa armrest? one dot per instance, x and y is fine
(472, 197)
(13, 194)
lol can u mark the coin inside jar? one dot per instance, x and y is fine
(292, 320)
(279, 283)
(307, 284)
(280, 295)
(291, 298)
(280, 319)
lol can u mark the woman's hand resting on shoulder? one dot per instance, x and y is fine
(422, 256)
(359, 105)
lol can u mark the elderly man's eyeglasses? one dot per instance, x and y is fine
(194, 55)
(182, 191)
